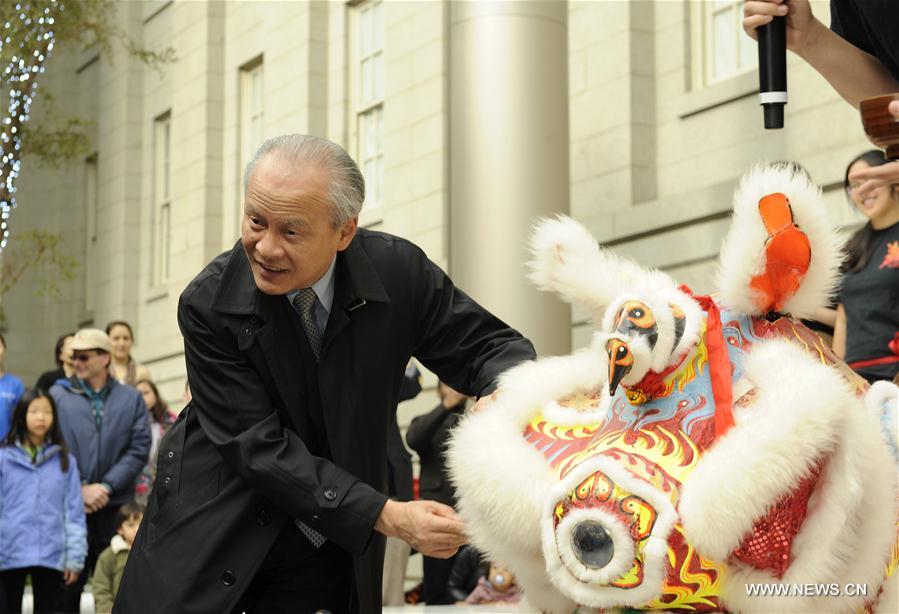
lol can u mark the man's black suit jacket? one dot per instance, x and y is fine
(235, 467)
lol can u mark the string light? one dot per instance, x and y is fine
(35, 26)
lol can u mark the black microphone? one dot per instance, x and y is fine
(773, 71)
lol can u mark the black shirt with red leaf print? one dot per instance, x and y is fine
(871, 300)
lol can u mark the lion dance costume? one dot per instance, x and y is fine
(704, 453)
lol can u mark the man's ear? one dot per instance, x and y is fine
(347, 232)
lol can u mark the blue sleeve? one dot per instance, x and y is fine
(5, 420)
(13, 385)
(74, 519)
(121, 476)
(2, 459)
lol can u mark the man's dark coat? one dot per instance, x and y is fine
(235, 467)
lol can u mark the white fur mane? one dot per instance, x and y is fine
(743, 251)
(566, 259)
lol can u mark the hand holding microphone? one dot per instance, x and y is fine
(772, 39)
(777, 27)
(801, 23)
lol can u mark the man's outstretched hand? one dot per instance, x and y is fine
(484, 402)
(432, 528)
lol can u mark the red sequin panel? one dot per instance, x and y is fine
(768, 545)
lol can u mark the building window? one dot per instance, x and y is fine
(369, 98)
(91, 196)
(162, 198)
(726, 50)
(252, 117)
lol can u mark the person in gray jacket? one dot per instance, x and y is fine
(105, 424)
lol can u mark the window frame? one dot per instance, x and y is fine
(248, 143)
(368, 106)
(91, 234)
(162, 199)
(705, 47)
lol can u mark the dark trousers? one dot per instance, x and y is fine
(100, 529)
(297, 578)
(46, 586)
(436, 574)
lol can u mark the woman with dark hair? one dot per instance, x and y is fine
(123, 366)
(64, 367)
(161, 418)
(11, 389)
(866, 334)
(41, 510)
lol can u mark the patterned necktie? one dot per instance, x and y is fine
(304, 301)
(305, 304)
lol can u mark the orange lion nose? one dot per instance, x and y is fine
(621, 361)
(787, 254)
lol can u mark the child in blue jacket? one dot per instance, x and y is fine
(42, 523)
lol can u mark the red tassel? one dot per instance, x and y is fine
(719, 363)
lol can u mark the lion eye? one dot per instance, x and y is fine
(592, 544)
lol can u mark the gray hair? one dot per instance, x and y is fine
(346, 187)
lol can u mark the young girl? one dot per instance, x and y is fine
(42, 524)
(866, 333)
(161, 419)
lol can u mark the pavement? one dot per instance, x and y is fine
(87, 607)
(87, 602)
(456, 609)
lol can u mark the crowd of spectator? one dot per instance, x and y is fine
(83, 442)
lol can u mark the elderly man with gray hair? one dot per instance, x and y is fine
(270, 489)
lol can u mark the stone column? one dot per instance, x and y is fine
(508, 136)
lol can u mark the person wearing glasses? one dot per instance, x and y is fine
(866, 334)
(105, 424)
